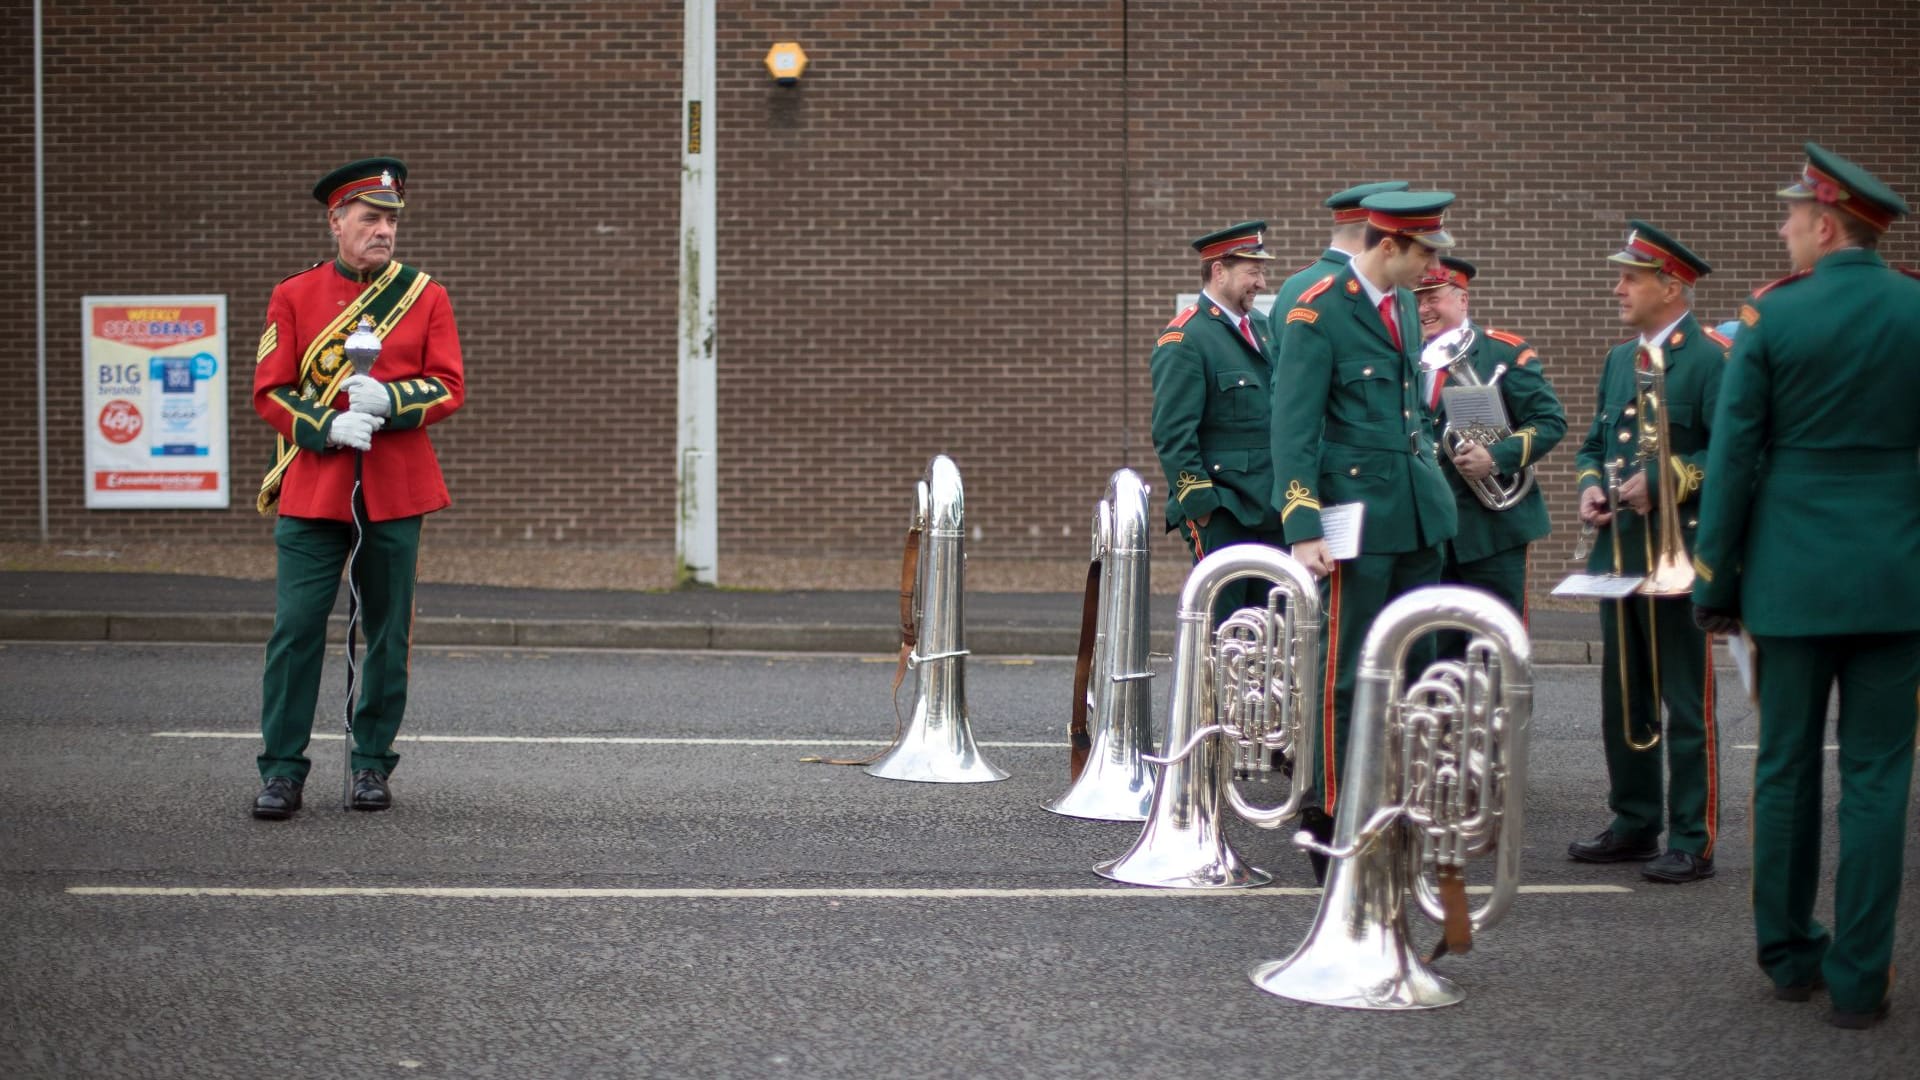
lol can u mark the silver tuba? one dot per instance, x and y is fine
(1115, 783)
(1240, 696)
(1433, 776)
(1446, 356)
(937, 746)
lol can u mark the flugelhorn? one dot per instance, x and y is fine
(1446, 356)
(1115, 783)
(1240, 697)
(1434, 776)
(937, 745)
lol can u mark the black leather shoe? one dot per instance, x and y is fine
(370, 790)
(1799, 991)
(278, 799)
(1858, 1020)
(1610, 848)
(1678, 868)
(1320, 824)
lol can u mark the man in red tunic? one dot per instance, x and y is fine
(353, 464)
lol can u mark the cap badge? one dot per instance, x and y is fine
(386, 178)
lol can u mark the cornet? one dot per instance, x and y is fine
(1445, 356)
(1434, 776)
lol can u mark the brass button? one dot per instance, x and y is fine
(1216, 468)
(1242, 382)
(1366, 371)
(1355, 471)
(1626, 436)
(1627, 412)
(1693, 523)
(1405, 413)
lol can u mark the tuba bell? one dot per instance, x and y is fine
(1115, 782)
(1433, 777)
(1241, 696)
(937, 746)
(1446, 356)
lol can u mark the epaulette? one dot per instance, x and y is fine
(1514, 340)
(1719, 338)
(1180, 320)
(308, 270)
(1909, 271)
(1302, 268)
(1771, 285)
(1313, 292)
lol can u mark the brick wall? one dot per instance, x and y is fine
(960, 233)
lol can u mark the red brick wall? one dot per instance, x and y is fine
(925, 246)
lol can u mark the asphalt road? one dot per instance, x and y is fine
(130, 767)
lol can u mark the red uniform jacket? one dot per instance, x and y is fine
(420, 363)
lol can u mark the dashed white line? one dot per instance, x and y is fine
(454, 893)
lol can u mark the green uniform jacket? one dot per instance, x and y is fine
(1695, 357)
(1210, 399)
(1330, 262)
(1538, 424)
(1813, 524)
(1349, 425)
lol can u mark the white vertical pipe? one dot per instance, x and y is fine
(40, 263)
(696, 535)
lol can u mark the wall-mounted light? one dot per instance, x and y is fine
(786, 61)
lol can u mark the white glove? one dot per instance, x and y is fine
(353, 429)
(367, 394)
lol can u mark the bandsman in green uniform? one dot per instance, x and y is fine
(1211, 373)
(1811, 537)
(1349, 232)
(1490, 549)
(1652, 646)
(1349, 427)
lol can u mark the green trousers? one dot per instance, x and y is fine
(1685, 761)
(1352, 597)
(1224, 530)
(1879, 680)
(312, 553)
(1503, 573)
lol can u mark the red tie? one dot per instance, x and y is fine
(1386, 316)
(1246, 331)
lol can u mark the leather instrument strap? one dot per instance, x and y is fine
(909, 637)
(1078, 741)
(1456, 938)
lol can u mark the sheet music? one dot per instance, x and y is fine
(1340, 528)
(1599, 586)
(1740, 650)
(1474, 405)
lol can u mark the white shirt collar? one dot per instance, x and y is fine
(1225, 308)
(1666, 333)
(1374, 295)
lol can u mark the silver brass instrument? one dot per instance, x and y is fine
(1116, 784)
(937, 746)
(1240, 696)
(1434, 776)
(1446, 356)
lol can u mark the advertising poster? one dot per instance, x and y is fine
(156, 401)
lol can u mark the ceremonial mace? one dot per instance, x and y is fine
(362, 349)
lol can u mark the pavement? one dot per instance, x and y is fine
(128, 607)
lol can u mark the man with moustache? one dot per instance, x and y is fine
(1490, 549)
(353, 476)
(1349, 427)
(1810, 535)
(1211, 369)
(1653, 650)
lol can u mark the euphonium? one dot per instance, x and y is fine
(1433, 776)
(1115, 784)
(1446, 356)
(1669, 570)
(1239, 697)
(937, 746)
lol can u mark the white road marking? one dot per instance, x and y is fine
(446, 893)
(1756, 746)
(594, 740)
